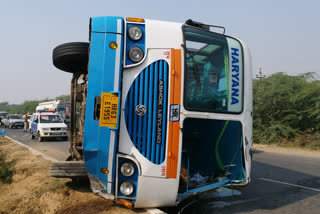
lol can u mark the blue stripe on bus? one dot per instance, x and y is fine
(145, 103)
(140, 117)
(150, 113)
(135, 94)
(154, 130)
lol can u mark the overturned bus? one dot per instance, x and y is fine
(160, 111)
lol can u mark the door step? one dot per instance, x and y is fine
(68, 169)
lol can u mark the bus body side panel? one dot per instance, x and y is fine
(100, 142)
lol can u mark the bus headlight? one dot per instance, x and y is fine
(135, 33)
(126, 188)
(135, 54)
(127, 169)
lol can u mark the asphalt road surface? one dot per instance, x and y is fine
(281, 183)
(55, 147)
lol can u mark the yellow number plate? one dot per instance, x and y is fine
(109, 110)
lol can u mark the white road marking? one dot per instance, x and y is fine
(294, 185)
(154, 211)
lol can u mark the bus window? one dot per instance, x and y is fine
(213, 77)
(62, 109)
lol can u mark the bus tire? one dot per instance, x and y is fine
(71, 57)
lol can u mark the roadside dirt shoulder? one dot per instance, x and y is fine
(287, 150)
(34, 191)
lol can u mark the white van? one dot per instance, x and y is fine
(48, 125)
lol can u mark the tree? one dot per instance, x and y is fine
(285, 106)
(64, 97)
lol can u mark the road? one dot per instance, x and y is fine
(282, 182)
(55, 148)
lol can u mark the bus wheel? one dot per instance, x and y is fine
(71, 57)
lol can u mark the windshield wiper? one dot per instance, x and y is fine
(195, 67)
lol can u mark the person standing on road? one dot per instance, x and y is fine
(26, 124)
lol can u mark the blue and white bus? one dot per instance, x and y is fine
(161, 111)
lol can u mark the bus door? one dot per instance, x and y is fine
(213, 131)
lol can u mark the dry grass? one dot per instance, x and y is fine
(33, 190)
(305, 141)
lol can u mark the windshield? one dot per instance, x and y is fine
(213, 72)
(50, 119)
(15, 117)
(61, 109)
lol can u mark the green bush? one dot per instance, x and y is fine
(286, 107)
(6, 169)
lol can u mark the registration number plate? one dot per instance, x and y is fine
(109, 110)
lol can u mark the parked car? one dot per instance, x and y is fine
(13, 121)
(48, 125)
(3, 114)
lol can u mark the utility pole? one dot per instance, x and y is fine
(259, 75)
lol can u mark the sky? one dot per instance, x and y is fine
(283, 35)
